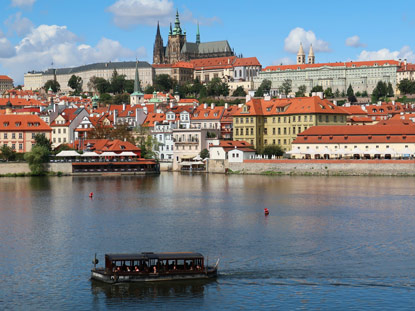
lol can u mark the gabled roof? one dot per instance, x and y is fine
(153, 118)
(22, 102)
(102, 145)
(247, 61)
(3, 77)
(20, 122)
(212, 63)
(202, 113)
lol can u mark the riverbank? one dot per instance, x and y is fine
(315, 167)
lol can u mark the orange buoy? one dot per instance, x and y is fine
(91, 194)
(266, 211)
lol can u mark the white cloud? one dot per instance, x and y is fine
(283, 61)
(51, 43)
(6, 48)
(129, 13)
(354, 41)
(187, 16)
(297, 35)
(18, 24)
(405, 53)
(23, 3)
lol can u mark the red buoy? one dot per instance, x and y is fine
(91, 194)
(266, 211)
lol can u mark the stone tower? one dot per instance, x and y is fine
(158, 49)
(177, 39)
(311, 57)
(300, 55)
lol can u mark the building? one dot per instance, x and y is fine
(36, 80)
(65, 124)
(179, 49)
(266, 121)
(233, 151)
(6, 83)
(19, 131)
(406, 71)
(362, 76)
(394, 139)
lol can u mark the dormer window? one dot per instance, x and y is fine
(6, 124)
(206, 114)
(17, 124)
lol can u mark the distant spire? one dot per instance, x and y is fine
(311, 57)
(311, 52)
(198, 34)
(137, 88)
(300, 55)
(158, 29)
(177, 30)
(171, 31)
(301, 50)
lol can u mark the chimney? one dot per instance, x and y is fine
(123, 107)
(171, 104)
(400, 61)
(248, 98)
(226, 105)
(205, 105)
(404, 62)
(145, 109)
(393, 102)
(379, 103)
(212, 106)
(335, 102)
(115, 117)
(267, 97)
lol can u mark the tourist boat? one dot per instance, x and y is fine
(150, 267)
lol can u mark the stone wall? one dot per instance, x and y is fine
(316, 167)
(23, 167)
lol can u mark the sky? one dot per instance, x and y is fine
(41, 34)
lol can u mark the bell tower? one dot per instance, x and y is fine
(301, 55)
(311, 57)
(177, 39)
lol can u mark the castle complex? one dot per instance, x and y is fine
(178, 49)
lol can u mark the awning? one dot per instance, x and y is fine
(197, 158)
(90, 154)
(187, 157)
(68, 153)
(127, 154)
(109, 154)
(189, 163)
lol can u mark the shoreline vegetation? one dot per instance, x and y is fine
(316, 173)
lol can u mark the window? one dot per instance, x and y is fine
(305, 118)
(293, 118)
(5, 136)
(273, 120)
(14, 146)
(335, 118)
(13, 135)
(285, 141)
(252, 131)
(247, 131)
(311, 118)
(242, 120)
(237, 132)
(293, 130)
(327, 118)
(54, 131)
(320, 118)
(252, 120)
(279, 141)
(265, 142)
(273, 131)
(299, 118)
(20, 135)
(59, 131)
(279, 131)
(20, 146)
(285, 131)
(252, 142)
(59, 140)
(265, 131)
(273, 141)
(64, 131)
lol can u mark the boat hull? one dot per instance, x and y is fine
(150, 277)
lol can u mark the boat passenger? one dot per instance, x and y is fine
(128, 269)
(154, 269)
(136, 269)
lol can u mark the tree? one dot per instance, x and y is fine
(7, 153)
(117, 83)
(301, 91)
(317, 88)
(271, 150)
(364, 94)
(36, 158)
(343, 94)
(52, 84)
(75, 83)
(380, 91)
(149, 89)
(120, 99)
(337, 93)
(41, 140)
(105, 98)
(328, 92)
(120, 131)
(407, 86)
(129, 86)
(264, 88)
(204, 154)
(216, 87)
(101, 85)
(390, 90)
(350, 94)
(358, 94)
(287, 86)
(239, 91)
(163, 83)
(147, 143)
(197, 87)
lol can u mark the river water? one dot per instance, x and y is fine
(329, 242)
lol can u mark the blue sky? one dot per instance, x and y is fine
(36, 33)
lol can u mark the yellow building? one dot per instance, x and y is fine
(263, 122)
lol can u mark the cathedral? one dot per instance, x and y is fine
(178, 49)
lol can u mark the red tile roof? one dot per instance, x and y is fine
(339, 64)
(2, 77)
(102, 145)
(202, 113)
(247, 61)
(212, 63)
(20, 122)
(354, 110)
(154, 117)
(409, 67)
(183, 65)
(22, 102)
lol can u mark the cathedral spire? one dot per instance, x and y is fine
(158, 29)
(198, 34)
(300, 55)
(177, 30)
(137, 88)
(311, 57)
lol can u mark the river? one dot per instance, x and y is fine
(329, 242)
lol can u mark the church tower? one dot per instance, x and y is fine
(198, 34)
(137, 96)
(311, 57)
(177, 39)
(300, 55)
(158, 49)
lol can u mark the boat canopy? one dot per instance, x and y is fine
(160, 256)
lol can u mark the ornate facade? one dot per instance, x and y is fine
(178, 49)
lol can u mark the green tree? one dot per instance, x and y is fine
(271, 150)
(390, 90)
(380, 91)
(52, 84)
(105, 98)
(41, 140)
(120, 99)
(239, 91)
(129, 86)
(406, 86)
(117, 83)
(163, 83)
(149, 89)
(286, 86)
(36, 159)
(147, 143)
(358, 94)
(7, 153)
(317, 88)
(204, 154)
(264, 88)
(197, 87)
(216, 87)
(75, 83)
(301, 91)
(328, 92)
(101, 85)
(343, 94)
(350, 94)
(365, 94)
(337, 93)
